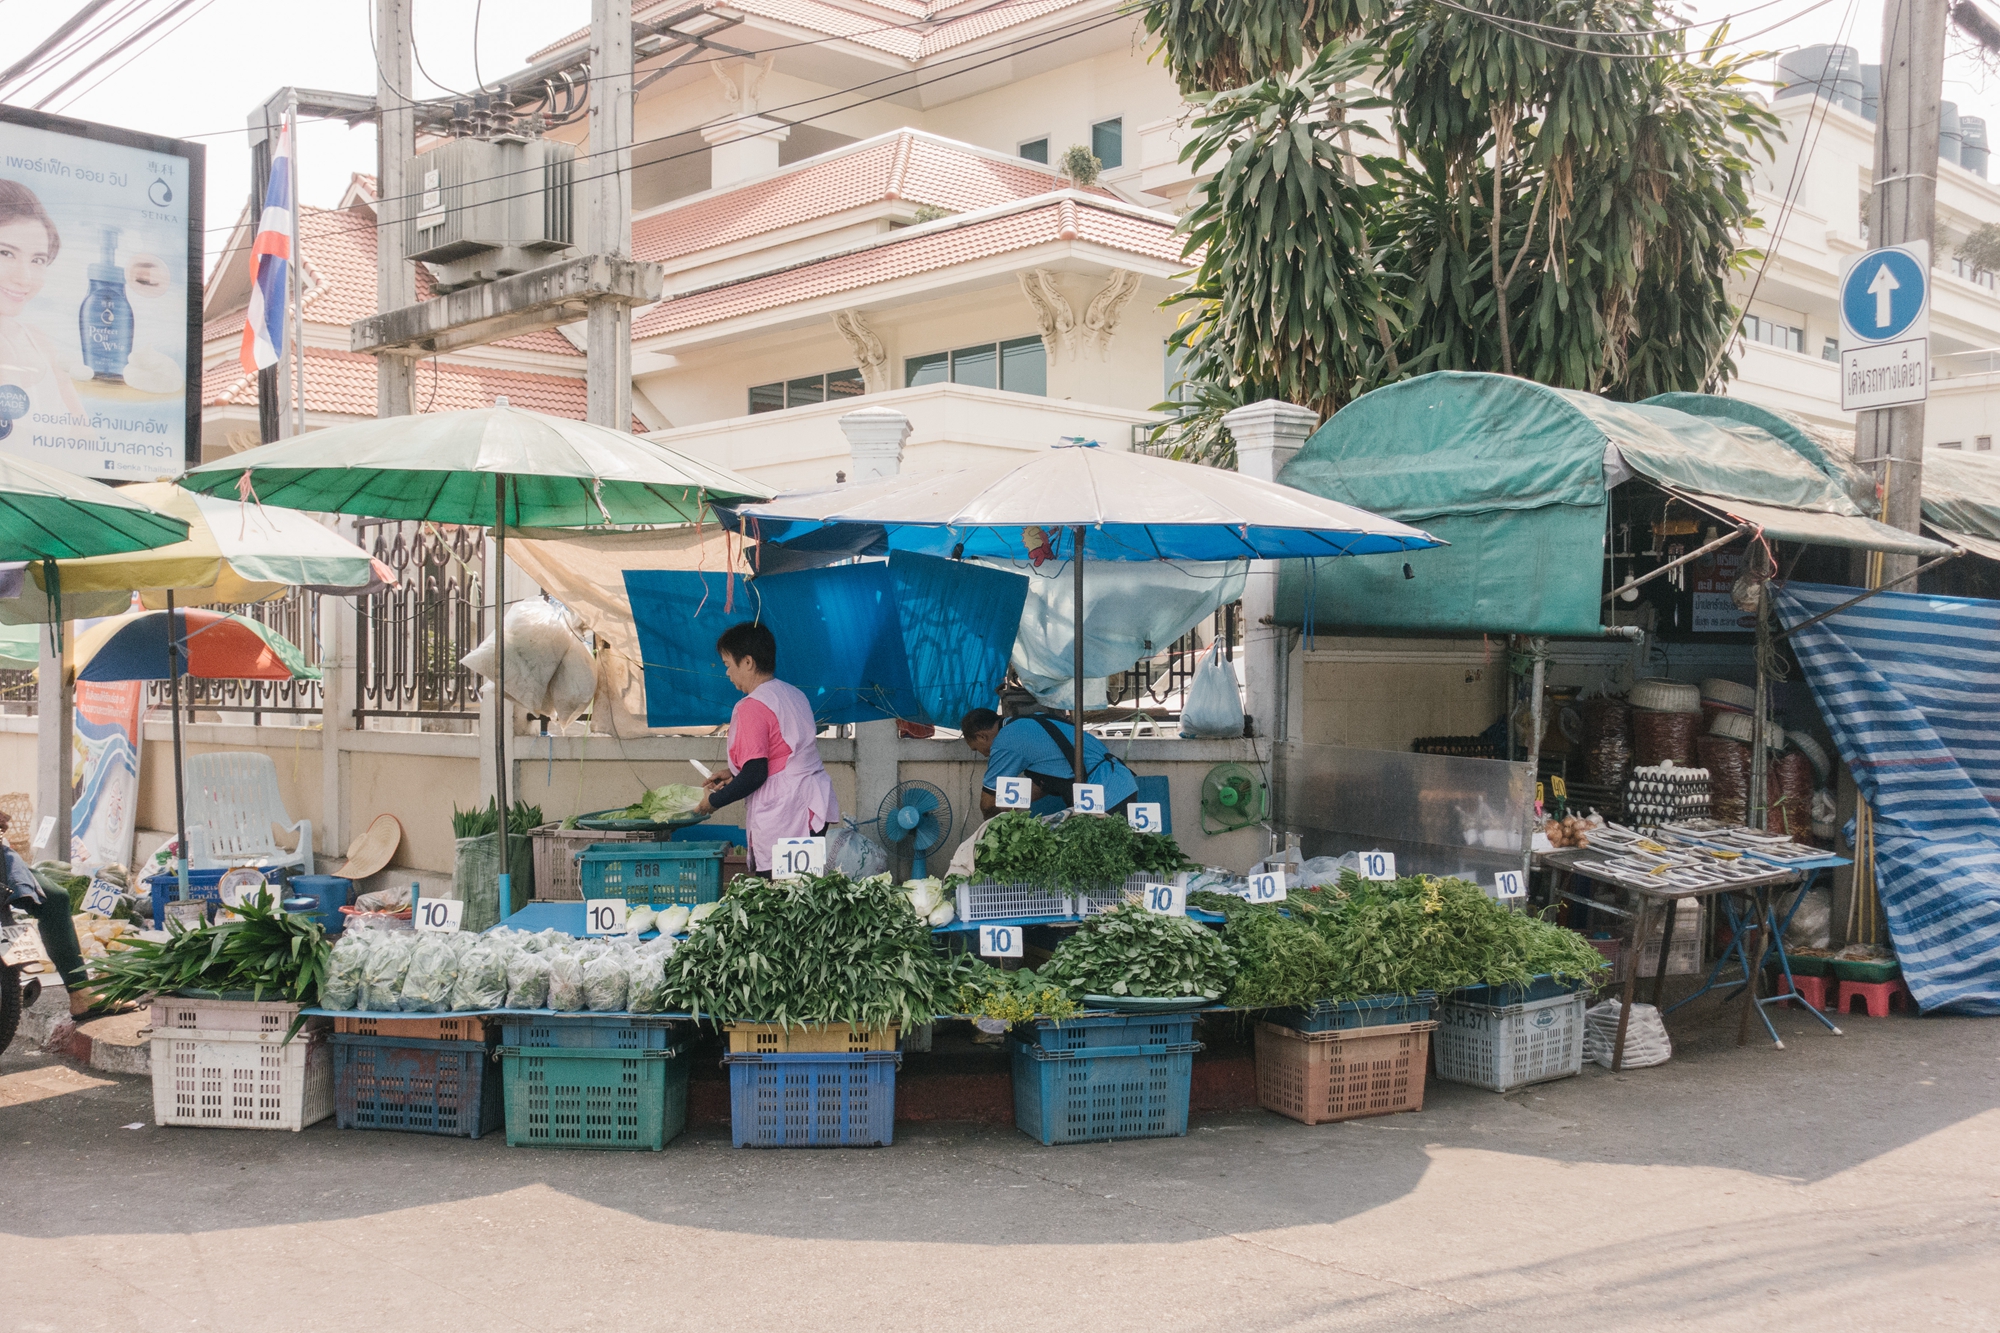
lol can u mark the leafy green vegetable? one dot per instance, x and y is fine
(1082, 852)
(1013, 997)
(825, 950)
(664, 803)
(268, 950)
(477, 823)
(1130, 951)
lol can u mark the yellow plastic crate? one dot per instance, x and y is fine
(813, 1039)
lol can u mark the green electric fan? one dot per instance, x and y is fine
(1232, 797)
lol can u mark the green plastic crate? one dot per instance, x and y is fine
(653, 874)
(579, 1097)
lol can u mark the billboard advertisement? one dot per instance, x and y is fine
(100, 297)
(105, 810)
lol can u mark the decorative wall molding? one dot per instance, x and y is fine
(1100, 317)
(868, 350)
(1052, 311)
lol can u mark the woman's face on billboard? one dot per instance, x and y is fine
(24, 263)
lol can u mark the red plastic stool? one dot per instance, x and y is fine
(1812, 990)
(1877, 997)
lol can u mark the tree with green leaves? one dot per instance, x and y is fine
(1566, 198)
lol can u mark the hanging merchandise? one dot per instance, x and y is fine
(1791, 795)
(1214, 707)
(544, 659)
(1607, 741)
(1728, 765)
(1664, 738)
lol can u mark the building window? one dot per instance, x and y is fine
(1830, 350)
(1982, 444)
(1036, 150)
(1019, 365)
(1786, 336)
(1961, 268)
(1107, 142)
(833, 385)
(1951, 444)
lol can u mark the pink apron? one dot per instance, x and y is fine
(793, 803)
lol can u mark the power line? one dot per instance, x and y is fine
(77, 45)
(1501, 20)
(109, 74)
(50, 42)
(112, 52)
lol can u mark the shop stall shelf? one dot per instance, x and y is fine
(603, 1032)
(1318, 1077)
(1369, 1011)
(986, 900)
(653, 874)
(813, 1100)
(808, 1038)
(1089, 1080)
(416, 1086)
(1504, 1047)
(241, 1080)
(585, 1097)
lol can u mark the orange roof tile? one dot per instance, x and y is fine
(343, 384)
(1058, 220)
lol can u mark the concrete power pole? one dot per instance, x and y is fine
(607, 207)
(1890, 441)
(395, 145)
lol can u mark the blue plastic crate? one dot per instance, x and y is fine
(1091, 1080)
(813, 1100)
(580, 1098)
(1370, 1011)
(656, 874)
(417, 1086)
(1543, 987)
(598, 1032)
(204, 886)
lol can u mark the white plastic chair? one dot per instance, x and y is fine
(232, 806)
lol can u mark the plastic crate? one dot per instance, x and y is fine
(417, 1086)
(1105, 897)
(574, 1097)
(815, 1039)
(596, 1032)
(988, 900)
(204, 886)
(555, 848)
(241, 1080)
(1369, 1011)
(1091, 1080)
(808, 1100)
(656, 874)
(1690, 918)
(1543, 987)
(1318, 1077)
(456, 1027)
(173, 1012)
(1504, 1047)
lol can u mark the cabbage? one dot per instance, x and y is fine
(664, 803)
(701, 914)
(640, 920)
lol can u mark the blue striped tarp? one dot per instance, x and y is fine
(1910, 687)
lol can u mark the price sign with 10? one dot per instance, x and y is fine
(1268, 887)
(604, 916)
(101, 897)
(792, 857)
(439, 916)
(1508, 886)
(1000, 942)
(1378, 865)
(1165, 899)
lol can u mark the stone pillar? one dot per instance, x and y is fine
(55, 718)
(742, 148)
(1267, 435)
(875, 439)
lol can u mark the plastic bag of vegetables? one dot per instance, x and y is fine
(528, 980)
(482, 978)
(565, 981)
(605, 981)
(344, 971)
(433, 970)
(382, 976)
(646, 982)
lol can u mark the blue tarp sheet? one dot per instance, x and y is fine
(914, 637)
(1909, 684)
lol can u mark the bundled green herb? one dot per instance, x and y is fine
(825, 950)
(267, 952)
(1130, 951)
(1082, 852)
(1013, 997)
(477, 823)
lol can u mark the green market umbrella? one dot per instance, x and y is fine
(47, 514)
(501, 467)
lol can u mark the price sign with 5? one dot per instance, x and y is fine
(1378, 865)
(1013, 793)
(1268, 887)
(604, 916)
(439, 916)
(1144, 817)
(1089, 798)
(792, 857)
(1000, 942)
(1166, 899)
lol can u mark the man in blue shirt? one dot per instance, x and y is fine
(1043, 750)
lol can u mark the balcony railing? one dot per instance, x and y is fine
(294, 616)
(408, 640)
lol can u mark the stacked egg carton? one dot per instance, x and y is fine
(1665, 794)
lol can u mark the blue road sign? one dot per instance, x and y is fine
(1882, 296)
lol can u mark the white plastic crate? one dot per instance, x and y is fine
(241, 1080)
(1690, 922)
(179, 1014)
(1104, 899)
(1501, 1048)
(986, 900)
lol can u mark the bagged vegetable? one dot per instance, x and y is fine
(482, 979)
(528, 981)
(342, 989)
(433, 970)
(565, 982)
(382, 977)
(605, 980)
(646, 983)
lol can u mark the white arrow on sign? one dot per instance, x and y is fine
(1884, 283)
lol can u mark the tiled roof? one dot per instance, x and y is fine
(910, 29)
(1061, 219)
(343, 384)
(918, 168)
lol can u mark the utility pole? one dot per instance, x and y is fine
(1889, 441)
(395, 146)
(607, 207)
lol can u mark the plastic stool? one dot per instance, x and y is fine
(1877, 997)
(1811, 990)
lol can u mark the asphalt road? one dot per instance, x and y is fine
(1844, 1182)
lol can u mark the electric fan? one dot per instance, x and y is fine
(1232, 797)
(915, 817)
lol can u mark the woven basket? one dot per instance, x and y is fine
(1812, 750)
(1728, 693)
(1666, 696)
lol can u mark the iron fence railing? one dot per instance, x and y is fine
(295, 616)
(408, 640)
(18, 692)
(1159, 683)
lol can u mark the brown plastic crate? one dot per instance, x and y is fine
(444, 1027)
(1318, 1077)
(800, 1039)
(557, 878)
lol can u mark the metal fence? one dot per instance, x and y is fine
(295, 617)
(408, 641)
(1159, 683)
(18, 692)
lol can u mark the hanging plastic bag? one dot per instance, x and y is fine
(528, 981)
(538, 638)
(852, 853)
(1214, 706)
(344, 970)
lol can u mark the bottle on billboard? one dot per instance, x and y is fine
(105, 318)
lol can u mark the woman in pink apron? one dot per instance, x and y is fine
(773, 755)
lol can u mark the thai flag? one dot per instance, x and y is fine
(270, 258)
